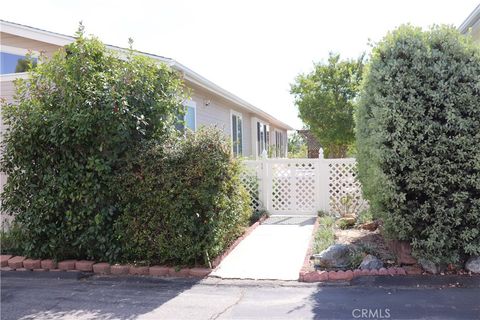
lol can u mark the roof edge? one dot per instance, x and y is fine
(203, 82)
(62, 40)
(470, 21)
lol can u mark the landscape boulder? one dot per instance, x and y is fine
(431, 267)
(371, 262)
(336, 256)
(473, 264)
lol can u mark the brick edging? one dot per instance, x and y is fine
(321, 276)
(21, 263)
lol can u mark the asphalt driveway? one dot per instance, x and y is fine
(146, 298)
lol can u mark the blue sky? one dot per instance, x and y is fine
(252, 48)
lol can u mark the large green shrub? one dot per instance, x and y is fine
(184, 201)
(75, 121)
(418, 140)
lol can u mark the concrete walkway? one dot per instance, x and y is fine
(274, 250)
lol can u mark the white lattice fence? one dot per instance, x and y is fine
(252, 180)
(344, 190)
(303, 186)
(293, 186)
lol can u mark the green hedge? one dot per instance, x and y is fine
(184, 201)
(418, 140)
(76, 120)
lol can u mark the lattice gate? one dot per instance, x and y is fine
(303, 186)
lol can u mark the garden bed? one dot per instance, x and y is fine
(394, 257)
(362, 242)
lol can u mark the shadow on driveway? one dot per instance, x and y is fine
(93, 298)
(408, 297)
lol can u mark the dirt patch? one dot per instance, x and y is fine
(371, 242)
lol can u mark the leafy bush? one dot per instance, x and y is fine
(326, 100)
(418, 140)
(11, 238)
(75, 121)
(365, 216)
(184, 201)
(325, 236)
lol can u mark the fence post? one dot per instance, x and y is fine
(265, 182)
(323, 182)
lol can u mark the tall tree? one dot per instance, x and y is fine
(326, 99)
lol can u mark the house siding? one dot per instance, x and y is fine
(218, 113)
(7, 91)
(476, 32)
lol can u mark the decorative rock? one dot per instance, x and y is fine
(403, 251)
(373, 272)
(4, 260)
(119, 269)
(370, 226)
(335, 256)
(16, 262)
(159, 271)
(48, 264)
(200, 272)
(140, 270)
(430, 266)
(102, 268)
(22, 269)
(66, 265)
(39, 270)
(31, 264)
(473, 264)
(6, 269)
(371, 262)
(84, 265)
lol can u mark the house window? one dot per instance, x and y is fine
(14, 63)
(280, 144)
(189, 118)
(237, 137)
(263, 137)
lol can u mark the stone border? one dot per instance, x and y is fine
(305, 275)
(20, 263)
